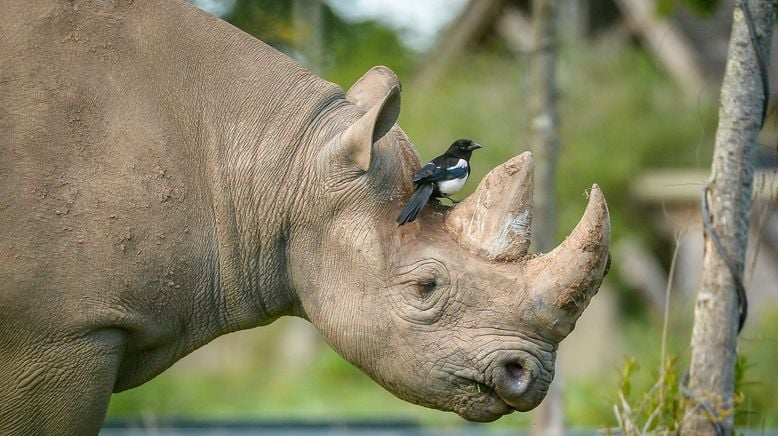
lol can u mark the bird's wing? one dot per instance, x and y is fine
(417, 202)
(451, 167)
(427, 173)
(441, 168)
(455, 172)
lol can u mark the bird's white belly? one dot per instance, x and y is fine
(448, 187)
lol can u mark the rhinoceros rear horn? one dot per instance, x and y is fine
(494, 222)
(359, 138)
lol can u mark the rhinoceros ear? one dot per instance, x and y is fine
(372, 87)
(359, 138)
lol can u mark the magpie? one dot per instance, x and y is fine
(441, 177)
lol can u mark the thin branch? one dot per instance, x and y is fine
(666, 318)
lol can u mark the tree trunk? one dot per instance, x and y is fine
(549, 419)
(544, 121)
(714, 336)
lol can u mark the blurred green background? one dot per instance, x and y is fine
(621, 115)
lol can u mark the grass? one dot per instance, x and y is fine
(759, 384)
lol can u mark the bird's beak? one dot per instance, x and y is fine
(474, 146)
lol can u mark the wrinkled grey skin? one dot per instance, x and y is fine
(166, 179)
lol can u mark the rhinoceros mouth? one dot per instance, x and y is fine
(514, 383)
(484, 404)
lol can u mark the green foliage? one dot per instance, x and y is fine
(350, 47)
(742, 366)
(651, 403)
(699, 7)
(268, 20)
(755, 377)
(659, 410)
(625, 384)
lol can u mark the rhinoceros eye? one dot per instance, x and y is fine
(427, 287)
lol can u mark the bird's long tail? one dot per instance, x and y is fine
(417, 202)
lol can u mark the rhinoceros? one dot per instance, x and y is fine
(166, 178)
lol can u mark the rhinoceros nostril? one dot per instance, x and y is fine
(516, 381)
(516, 370)
(517, 377)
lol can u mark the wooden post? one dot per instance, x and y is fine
(544, 124)
(714, 336)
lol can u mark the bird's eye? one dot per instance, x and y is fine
(427, 287)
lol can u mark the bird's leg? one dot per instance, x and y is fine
(452, 200)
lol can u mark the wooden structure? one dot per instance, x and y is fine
(672, 198)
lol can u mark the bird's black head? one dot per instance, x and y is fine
(463, 148)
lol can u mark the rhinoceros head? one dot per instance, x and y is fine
(448, 311)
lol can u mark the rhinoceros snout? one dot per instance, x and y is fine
(519, 382)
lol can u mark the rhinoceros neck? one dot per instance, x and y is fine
(258, 119)
(260, 188)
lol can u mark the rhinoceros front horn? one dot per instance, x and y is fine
(564, 280)
(494, 222)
